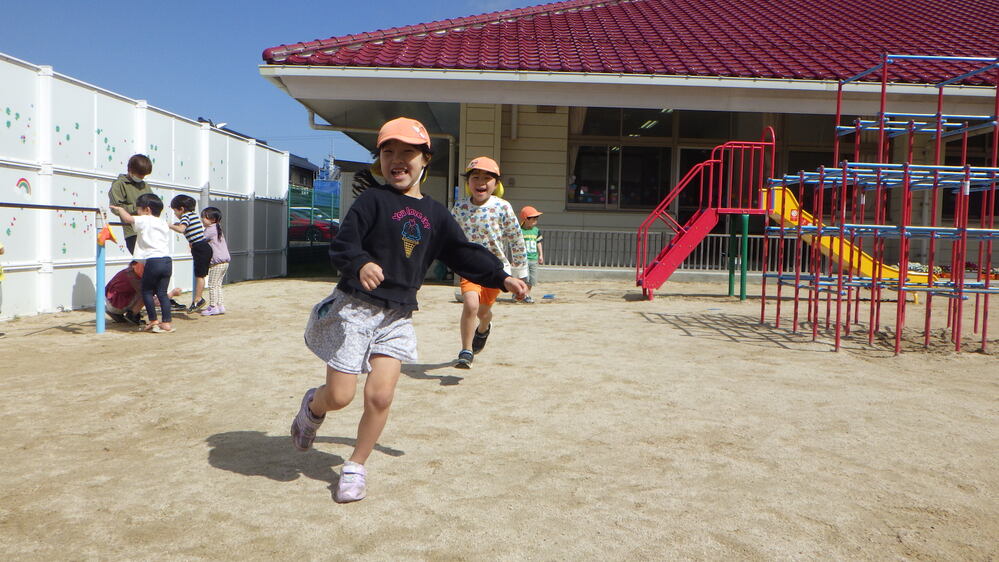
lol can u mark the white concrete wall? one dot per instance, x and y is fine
(62, 142)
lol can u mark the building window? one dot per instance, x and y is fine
(623, 158)
(589, 180)
(618, 177)
(645, 176)
(619, 158)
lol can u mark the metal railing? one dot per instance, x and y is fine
(583, 248)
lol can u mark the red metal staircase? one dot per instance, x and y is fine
(730, 182)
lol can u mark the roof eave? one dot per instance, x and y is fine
(591, 89)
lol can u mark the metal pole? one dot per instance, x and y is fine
(100, 288)
(731, 257)
(742, 257)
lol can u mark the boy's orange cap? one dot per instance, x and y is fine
(407, 130)
(529, 212)
(484, 163)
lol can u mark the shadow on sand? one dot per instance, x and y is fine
(419, 371)
(254, 453)
(749, 331)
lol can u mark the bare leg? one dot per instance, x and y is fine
(379, 390)
(469, 314)
(338, 391)
(485, 317)
(199, 287)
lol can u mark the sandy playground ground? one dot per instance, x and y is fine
(595, 427)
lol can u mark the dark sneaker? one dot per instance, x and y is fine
(132, 317)
(465, 359)
(176, 306)
(479, 339)
(305, 424)
(117, 317)
(195, 307)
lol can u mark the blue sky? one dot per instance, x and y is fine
(199, 59)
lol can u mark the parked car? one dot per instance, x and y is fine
(311, 225)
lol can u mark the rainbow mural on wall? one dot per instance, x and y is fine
(24, 184)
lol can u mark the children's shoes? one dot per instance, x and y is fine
(465, 358)
(351, 486)
(196, 306)
(305, 424)
(479, 339)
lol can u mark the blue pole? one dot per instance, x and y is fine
(100, 288)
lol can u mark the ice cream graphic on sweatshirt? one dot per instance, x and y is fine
(410, 236)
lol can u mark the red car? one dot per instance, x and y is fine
(311, 225)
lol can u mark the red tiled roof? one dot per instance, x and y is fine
(804, 39)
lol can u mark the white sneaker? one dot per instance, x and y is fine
(351, 486)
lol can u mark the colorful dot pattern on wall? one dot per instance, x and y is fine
(67, 136)
(108, 148)
(11, 119)
(81, 222)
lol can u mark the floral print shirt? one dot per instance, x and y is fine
(494, 225)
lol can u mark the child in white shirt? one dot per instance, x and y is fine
(153, 247)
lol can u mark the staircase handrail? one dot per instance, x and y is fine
(768, 140)
(660, 213)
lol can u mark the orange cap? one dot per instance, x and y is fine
(529, 212)
(407, 130)
(484, 163)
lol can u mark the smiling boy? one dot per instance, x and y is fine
(489, 220)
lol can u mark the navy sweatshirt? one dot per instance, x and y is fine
(404, 235)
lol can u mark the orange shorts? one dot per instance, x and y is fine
(486, 295)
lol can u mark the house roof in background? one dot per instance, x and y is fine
(299, 162)
(796, 39)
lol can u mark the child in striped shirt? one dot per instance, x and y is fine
(189, 224)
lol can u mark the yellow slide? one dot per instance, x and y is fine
(787, 212)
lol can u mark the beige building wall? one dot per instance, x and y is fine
(534, 160)
(480, 133)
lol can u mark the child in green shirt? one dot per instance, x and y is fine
(532, 238)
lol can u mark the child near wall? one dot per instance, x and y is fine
(489, 220)
(219, 264)
(123, 294)
(127, 188)
(390, 236)
(152, 245)
(189, 224)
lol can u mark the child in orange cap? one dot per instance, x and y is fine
(488, 220)
(385, 245)
(532, 239)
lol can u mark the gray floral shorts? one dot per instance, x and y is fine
(345, 331)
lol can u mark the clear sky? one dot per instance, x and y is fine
(200, 59)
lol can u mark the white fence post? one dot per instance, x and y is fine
(43, 191)
(251, 190)
(140, 127)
